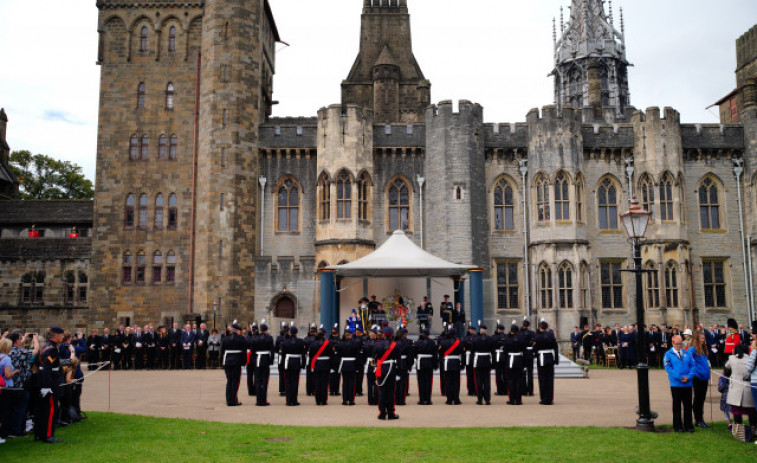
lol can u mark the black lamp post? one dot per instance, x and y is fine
(635, 222)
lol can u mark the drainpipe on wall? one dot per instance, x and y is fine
(262, 181)
(738, 169)
(421, 181)
(629, 173)
(523, 167)
(195, 135)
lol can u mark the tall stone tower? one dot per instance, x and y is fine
(184, 86)
(591, 70)
(386, 77)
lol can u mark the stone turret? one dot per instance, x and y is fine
(591, 70)
(385, 76)
(8, 181)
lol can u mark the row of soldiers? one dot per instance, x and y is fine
(386, 358)
(164, 348)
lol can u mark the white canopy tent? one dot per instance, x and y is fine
(400, 257)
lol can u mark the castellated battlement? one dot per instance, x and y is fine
(466, 109)
(506, 134)
(289, 132)
(652, 114)
(551, 112)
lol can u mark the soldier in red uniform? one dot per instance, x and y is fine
(74, 233)
(734, 338)
(33, 233)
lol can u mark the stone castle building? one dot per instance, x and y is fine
(205, 204)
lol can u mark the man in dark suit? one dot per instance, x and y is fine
(174, 343)
(201, 343)
(93, 350)
(138, 346)
(575, 342)
(187, 345)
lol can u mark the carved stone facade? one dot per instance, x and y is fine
(262, 203)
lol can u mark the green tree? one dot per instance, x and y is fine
(43, 177)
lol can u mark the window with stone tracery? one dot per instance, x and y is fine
(288, 206)
(504, 206)
(607, 202)
(562, 200)
(542, 199)
(344, 196)
(398, 202)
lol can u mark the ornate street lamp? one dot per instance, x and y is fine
(635, 222)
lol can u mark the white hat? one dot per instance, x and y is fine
(687, 332)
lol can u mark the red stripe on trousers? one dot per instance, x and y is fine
(50, 418)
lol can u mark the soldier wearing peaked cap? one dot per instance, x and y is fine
(50, 378)
(469, 373)
(387, 357)
(360, 338)
(334, 375)
(280, 364)
(483, 347)
(262, 357)
(320, 354)
(370, 365)
(446, 310)
(294, 352)
(545, 347)
(233, 353)
(348, 352)
(452, 359)
(309, 374)
(500, 372)
(252, 334)
(514, 348)
(426, 361)
(528, 356)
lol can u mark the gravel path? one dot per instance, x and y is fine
(607, 399)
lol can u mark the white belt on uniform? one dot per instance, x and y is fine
(447, 358)
(513, 355)
(499, 354)
(467, 357)
(286, 360)
(259, 353)
(546, 351)
(341, 362)
(230, 352)
(421, 356)
(476, 355)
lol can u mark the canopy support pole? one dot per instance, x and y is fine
(476, 295)
(328, 296)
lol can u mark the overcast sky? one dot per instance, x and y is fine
(494, 52)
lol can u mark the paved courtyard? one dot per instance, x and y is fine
(606, 399)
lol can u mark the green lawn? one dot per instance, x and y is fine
(120, 438)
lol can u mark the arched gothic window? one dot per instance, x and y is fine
(671, 285)
(144, 147)
(172, 39)
(141, 95)
(162, 147)
(398, 196)
(169, 95)
(666, 198)
(607, 200)
(565, 282)
(562, 200)
(143, 39)
(133, 147)
(129, 211)
(173, 211)
(709, 205)
(288, 206)
(653, 286)
(324, 197)
(157, 267)
(545, 286)
(284, 308)
(542, 199)
(173, 148)
(504, 206)
(32, 288)
(343, 196)
(363, 196)
(647, 194)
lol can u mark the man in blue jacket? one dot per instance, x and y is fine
(680, 367)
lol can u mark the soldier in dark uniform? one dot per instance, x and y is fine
(94, 344)
(546, 359)
(426, 356)
(514, 348)
(370, 366)
(386, 356)
(452, 358)
(528, 356)
(483, 351)
(360, 368)
(174, 341)
(425, 313)
(334, 375)
(348, 351)
(50, 380)
(446, 310)
(438, 340)
(293, 351)
(403, 366)
(233, 349)
(309, 374)
(262, 357)
(500, 361)
(587, 342)
(469, 374)
(599, 347)
(280, 365)
(251, 336)
(320, 353)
